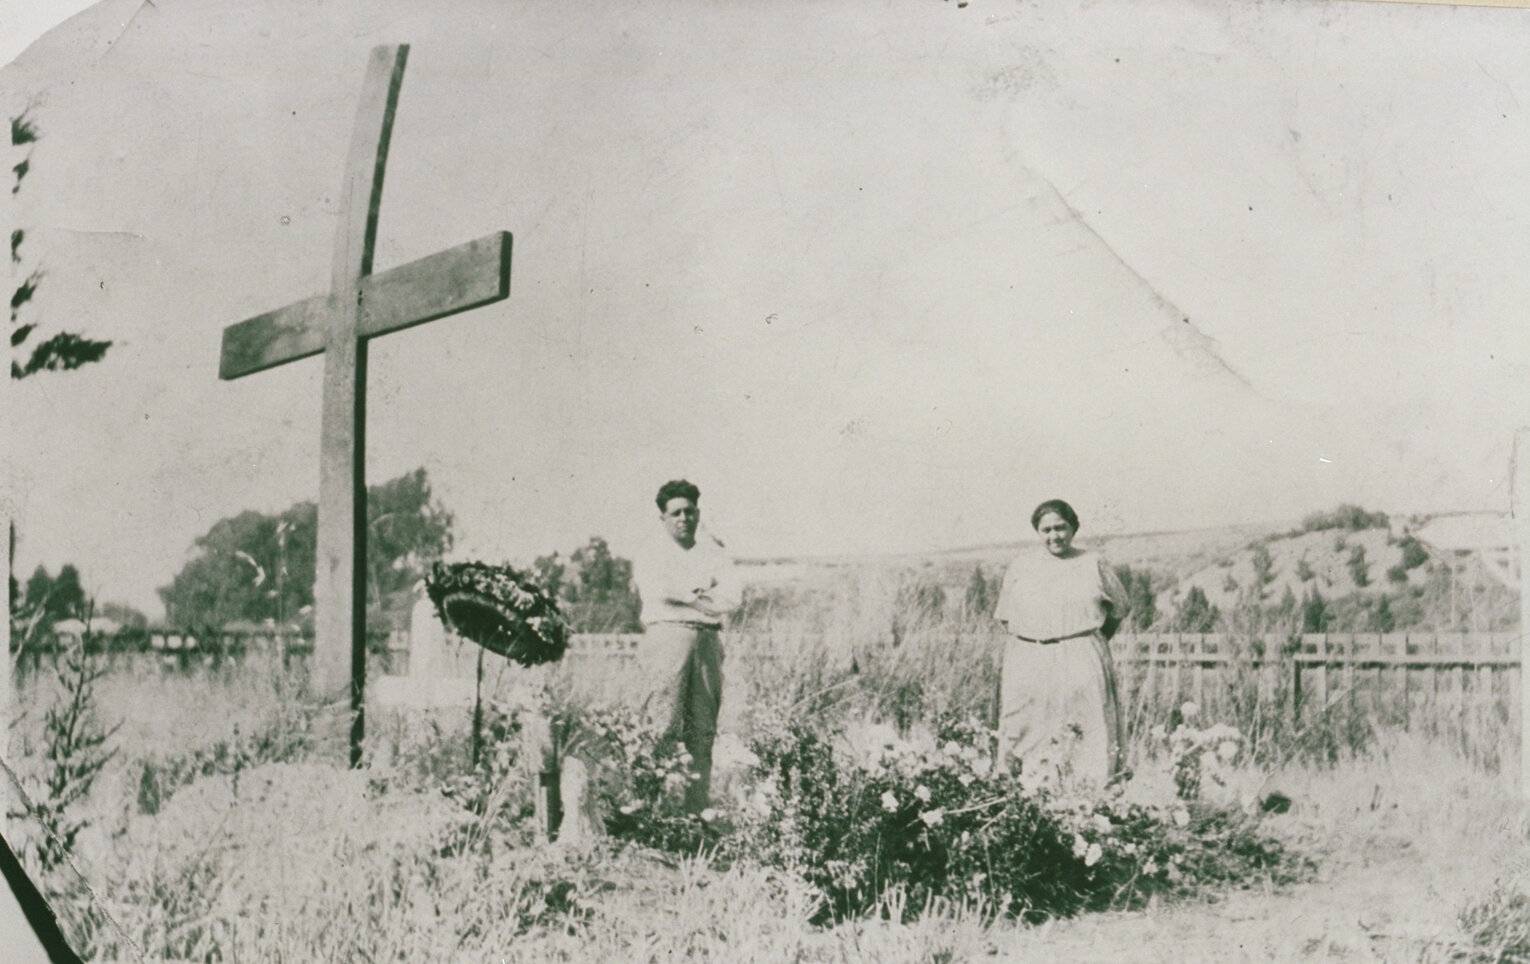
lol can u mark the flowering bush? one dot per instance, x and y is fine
(867, 814)
(937, 820)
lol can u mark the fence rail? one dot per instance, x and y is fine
(1414, 650)
(1461, 685)
(1467, 683)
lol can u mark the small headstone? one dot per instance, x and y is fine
(579, 825)
(427, 641)
(433, 679)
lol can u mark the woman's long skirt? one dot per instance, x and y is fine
(1059, 712)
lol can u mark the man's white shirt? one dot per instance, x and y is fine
(678, 585)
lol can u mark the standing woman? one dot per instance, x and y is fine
(1059, 713)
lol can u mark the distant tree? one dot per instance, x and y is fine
(602, 598)
(43, 601)
(251, 567)
(595, 588)
(39, 587)
(1196, 614)
(1142, 592)
(1304, 570)
(550, 571)
(1359, 567)
(256, 567)
(1413, 553)
(1314, 612)
(1381, 618)
(66, 598)
(1347, 517)
(1408, 609)
(1288, 611)
(408, 530)
(1246, 616)
(982, 593)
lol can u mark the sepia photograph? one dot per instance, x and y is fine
(776, 481)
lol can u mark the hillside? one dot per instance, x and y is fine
(1173, 554)
(1444, 572)
(1334, 563)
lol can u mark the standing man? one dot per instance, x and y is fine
(687, 590)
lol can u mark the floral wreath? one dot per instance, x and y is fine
(500, 609)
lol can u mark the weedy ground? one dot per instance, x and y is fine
(224, 830)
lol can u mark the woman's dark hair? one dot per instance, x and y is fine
(677, 489)
(1058, 506)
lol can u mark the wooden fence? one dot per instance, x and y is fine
(1395, 678)
(1458, 684)
(1463, 684)
(1398, 679)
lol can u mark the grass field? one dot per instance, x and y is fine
(225, 830)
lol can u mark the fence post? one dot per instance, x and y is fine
(1519, 470)
(1296, 690)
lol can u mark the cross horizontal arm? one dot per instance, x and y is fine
(441, 284)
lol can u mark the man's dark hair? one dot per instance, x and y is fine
(677, 489)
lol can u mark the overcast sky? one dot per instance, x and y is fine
(878, 277)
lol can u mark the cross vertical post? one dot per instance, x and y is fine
(340, 597)
(359, 306)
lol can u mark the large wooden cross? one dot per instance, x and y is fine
(359, 306)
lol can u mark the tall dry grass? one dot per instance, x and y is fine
(270, 856)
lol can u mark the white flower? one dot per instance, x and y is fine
(889, 802)
(952, 748)
(966, 779)
(1181, 818)
(1150, 868)
(932, 818)
(1101, 823)
(631, 808)
(1159, 732)
(1080, 846)
(1092, 855)
(708, 815)
(923, 793)
(1227, 750)
(1189, 710)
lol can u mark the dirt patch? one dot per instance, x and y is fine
(1391, 904)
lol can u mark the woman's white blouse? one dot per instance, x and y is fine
(1045, 597)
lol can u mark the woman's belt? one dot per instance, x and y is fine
(1058, 639)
